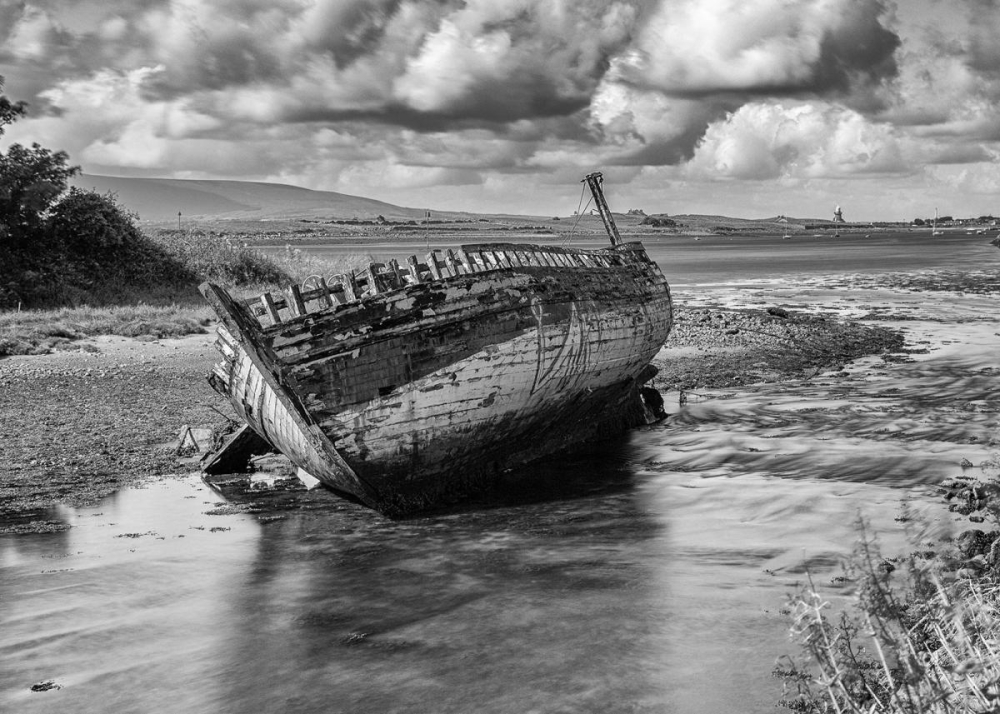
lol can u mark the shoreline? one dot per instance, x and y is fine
(99, 414)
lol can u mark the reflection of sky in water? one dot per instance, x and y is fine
(648, 579)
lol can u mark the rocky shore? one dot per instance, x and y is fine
(80, 423)
(711, 348)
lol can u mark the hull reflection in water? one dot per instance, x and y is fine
(625, 590)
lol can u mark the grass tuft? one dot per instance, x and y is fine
(41, 331)
(923, 636)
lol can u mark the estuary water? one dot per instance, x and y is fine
(649, 578)
(689, 262)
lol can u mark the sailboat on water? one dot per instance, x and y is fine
(934, 229)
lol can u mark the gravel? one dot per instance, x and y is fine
(79, 425)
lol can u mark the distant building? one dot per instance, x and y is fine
(838, 215)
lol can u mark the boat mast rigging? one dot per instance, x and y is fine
(594, 181)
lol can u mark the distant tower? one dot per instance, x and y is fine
(838, 215)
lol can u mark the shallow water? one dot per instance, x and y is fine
(647, 579)
(660, 593)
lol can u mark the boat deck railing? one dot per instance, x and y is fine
(318, 292)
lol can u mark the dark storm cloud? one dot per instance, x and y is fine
(858, 52)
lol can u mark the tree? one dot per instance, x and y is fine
(31, 179)
(9, 111)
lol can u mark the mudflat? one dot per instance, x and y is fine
(80, 423)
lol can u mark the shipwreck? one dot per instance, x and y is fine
(408, 385)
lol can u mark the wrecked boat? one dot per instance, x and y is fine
(408, 385)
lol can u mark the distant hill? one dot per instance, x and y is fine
(159, 200)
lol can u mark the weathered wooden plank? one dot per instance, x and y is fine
(433, 266)
(397, 274)
(324, 297)
(411, 263)
(454, 266)
(297, 304)
(351, 290)
(474, 260)
(235, 453)
(463, 261)
(371, 280)
(272, 311)
(490, 260)
(503, 257)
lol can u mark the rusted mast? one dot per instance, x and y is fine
(595, 180)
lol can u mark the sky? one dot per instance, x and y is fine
(749, 108)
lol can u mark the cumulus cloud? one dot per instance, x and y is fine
(770, 140)
(702, 47)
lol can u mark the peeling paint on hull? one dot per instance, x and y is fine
(416, 395)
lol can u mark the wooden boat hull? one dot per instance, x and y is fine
(418, 395)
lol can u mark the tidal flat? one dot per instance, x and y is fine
(648, 578)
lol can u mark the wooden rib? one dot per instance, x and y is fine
(474, 265)
(296, 304)
(337, 291)
(396, 273)
(371, 274)
(324, 293)
(348, 286)
(454, 266)
(411, 263)
(272, 311)
(491, 260)
(433, 266)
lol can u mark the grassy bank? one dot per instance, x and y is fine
(42, 331)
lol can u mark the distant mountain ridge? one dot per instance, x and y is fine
(159, 200)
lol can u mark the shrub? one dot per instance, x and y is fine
(658, 222)
(88, 223)
(922, 637)
(210, 256)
